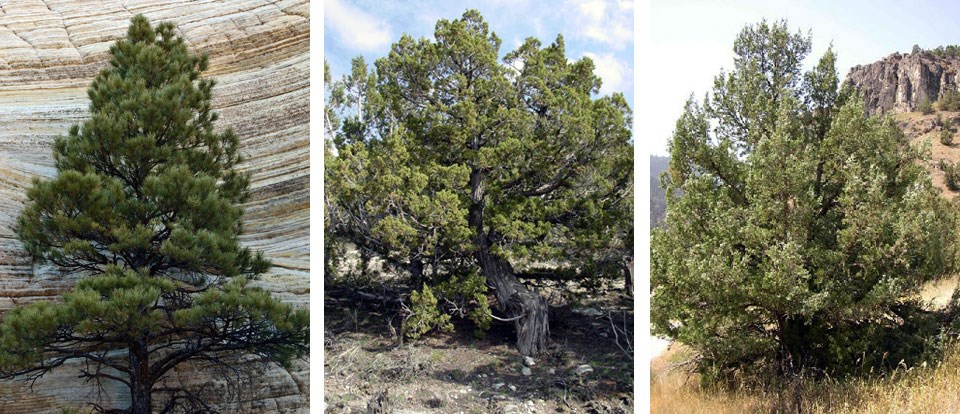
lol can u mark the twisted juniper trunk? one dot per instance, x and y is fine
(527, 309)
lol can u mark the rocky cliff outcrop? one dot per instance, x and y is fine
(900, 82)
(259, 54)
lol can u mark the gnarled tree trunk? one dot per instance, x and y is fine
(527, 309)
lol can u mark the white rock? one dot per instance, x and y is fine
(583, 369)
(588, 311)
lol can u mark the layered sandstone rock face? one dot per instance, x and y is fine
(259, 54)
(899, 83)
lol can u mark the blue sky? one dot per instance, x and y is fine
(690, 41)
(600, 29)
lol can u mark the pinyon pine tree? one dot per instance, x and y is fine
(145, 207)
(451, 163)
(797, 228)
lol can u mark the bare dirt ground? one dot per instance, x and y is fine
(366, 369)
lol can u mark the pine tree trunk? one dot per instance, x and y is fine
(628, 275)
(528, 309)
(141, 381)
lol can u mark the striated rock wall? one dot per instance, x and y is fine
(899, 82)
(259, 53)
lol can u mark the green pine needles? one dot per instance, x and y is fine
(146, 207)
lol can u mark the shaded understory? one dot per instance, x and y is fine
(365, 363)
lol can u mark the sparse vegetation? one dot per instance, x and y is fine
(925, 107)
(946, 136)
(457, 372)
(949, 101)
(951, 174)
(949, 51)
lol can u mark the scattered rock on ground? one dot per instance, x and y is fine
(528, 361)
(526, 371)
(583, 369)
(588, 311)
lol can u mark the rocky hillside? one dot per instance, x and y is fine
(900, 82)
(259, 53)
(658, 201)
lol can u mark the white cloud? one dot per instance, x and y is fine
(605, 21)
(593, 9)
(616, 74)
(356, 28)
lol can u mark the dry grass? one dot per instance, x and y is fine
(918, 390)
(674, 390)
(939, 292)
(923, 130)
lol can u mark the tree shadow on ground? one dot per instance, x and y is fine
(577, 340)
(490, 368)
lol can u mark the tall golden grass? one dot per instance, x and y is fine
(918, 390)
(931, 389)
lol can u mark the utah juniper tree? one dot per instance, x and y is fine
(467, 165)
(797, 227)
(145, 205)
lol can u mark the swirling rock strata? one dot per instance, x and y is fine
(259, 54)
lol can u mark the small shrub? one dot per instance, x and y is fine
(951, 173)
(925, 107)
(425, 315)
(949, 101)
(469, 296)
(946, 137)
(465, 297)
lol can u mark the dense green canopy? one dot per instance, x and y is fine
(448, 159)
(797, 227)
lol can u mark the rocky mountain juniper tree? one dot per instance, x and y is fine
(145, 207)
(452, 164)
(799, 230)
